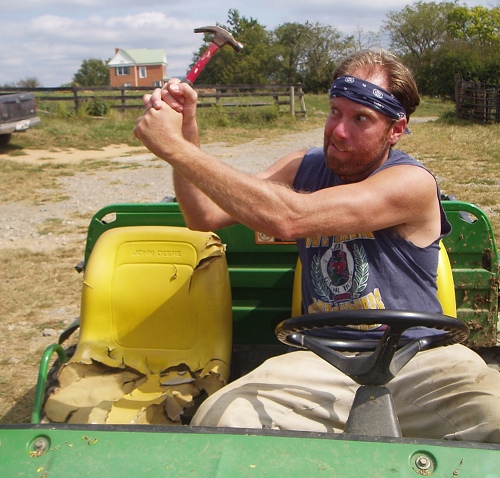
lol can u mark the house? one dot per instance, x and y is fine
(138, 67)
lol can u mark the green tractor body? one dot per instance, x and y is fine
(261, 274)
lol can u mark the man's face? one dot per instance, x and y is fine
(357, 138)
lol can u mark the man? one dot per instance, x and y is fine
(367, 220)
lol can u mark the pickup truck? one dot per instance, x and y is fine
(17, 113)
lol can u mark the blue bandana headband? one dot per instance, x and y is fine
(368, 94)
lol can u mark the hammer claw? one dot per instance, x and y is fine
(221, 37)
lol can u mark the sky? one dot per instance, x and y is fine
(49, 39)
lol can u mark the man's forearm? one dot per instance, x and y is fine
(200, 212)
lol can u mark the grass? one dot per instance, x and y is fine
(465, 159)
(464, 156)
(36, 290)
(40, 290)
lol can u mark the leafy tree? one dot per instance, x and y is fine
(308, 53)
(471, 50)
(92, 72)
(476, 26)
(29, 83)
(325, 46)
(437, 77)
(418, 30)
(291, 52)
(252, 65)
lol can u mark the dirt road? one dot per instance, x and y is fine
(147, 179)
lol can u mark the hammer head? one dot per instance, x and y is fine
(221, 37)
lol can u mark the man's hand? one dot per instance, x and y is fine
(181, 98)
(160, 130)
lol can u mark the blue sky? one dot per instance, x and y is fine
(49, 39)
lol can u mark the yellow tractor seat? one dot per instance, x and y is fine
(155, 328)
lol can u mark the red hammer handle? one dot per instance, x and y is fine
(200, 64)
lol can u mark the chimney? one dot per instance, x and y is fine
(117, 50)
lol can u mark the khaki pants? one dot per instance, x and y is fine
(442, 393)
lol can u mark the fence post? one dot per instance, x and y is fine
(123, 100)
(292, 100)
(458, 98)
(75, 97)
(302, 102)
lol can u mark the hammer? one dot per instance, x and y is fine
(221, 37)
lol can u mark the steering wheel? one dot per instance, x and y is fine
(384, 357)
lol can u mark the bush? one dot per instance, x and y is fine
(96, 107)
(61, 110)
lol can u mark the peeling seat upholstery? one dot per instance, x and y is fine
(155, 329)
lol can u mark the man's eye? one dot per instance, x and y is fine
(362, 118)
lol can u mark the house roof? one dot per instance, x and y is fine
(139, 56)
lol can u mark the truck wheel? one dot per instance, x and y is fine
(4, 139)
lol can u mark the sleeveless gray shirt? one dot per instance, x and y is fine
(373, 270)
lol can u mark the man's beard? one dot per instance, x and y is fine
(352, 170)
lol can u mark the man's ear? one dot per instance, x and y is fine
(397, 130)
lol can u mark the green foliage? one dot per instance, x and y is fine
(324, 47)
(249, 66)
(418, 29)
(96, 107)
(61, 110)
(292, 53)
(92, 72)
(440, 40)
(436, 40)
(476, 26)
(30, 82)
(223, 117)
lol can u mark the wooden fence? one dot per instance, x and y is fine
(476, 101)
(124, 98)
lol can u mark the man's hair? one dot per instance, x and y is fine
(400, 80)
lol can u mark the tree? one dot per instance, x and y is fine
(29, 83)
(479, 26)
(92, 72)
(308, 53)
(291, 52)
(325, 46)
(252, 65)
(470, 50)
(365, 40)
(418, 30)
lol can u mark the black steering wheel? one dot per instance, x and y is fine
(384, 357)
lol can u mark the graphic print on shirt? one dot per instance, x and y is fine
(340, 275)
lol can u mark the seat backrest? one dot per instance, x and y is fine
(156, 297)
(445, 286)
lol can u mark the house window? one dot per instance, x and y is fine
(157, 84)
(143, 72)
(122, 70)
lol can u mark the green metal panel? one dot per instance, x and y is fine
(186, 452)
(474, 260)
(262, 274)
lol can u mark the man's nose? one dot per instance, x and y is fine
(339, 129)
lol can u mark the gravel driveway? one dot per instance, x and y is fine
(151, 181)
